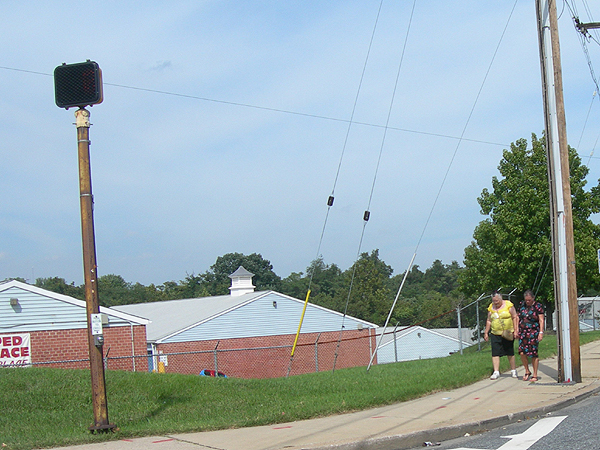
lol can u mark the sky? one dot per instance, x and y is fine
(226, 125)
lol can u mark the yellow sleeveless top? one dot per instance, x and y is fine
(501, 318)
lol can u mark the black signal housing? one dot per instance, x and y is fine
(78, 85)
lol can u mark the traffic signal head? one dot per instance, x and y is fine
(78, 84)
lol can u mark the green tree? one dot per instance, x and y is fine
(113, 290)
(60, 286)
(22, 280)
(324, 281)
(366, 289)
(295, 285)
(169, 290)
(138, 293)
(217, 278)
(427, 295)
(193, 286)
(512, 246)
(442, 278)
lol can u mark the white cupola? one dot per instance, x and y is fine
(241, 282)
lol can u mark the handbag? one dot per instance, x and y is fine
(508, 335)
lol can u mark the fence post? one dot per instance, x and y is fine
(478, 328)
(460, 346)
(395, 344)
(106, 359)
(478, 322)
(317, 352)
(216, 359)
(132, 346)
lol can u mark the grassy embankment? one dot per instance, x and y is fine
(52, 407)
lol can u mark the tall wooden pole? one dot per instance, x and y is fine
(99, 402)
(561, 216)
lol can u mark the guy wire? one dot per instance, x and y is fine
(446, 174)
(331, 197)
(367, 212)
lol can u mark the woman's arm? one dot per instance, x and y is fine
(488, 325)
(515, 319)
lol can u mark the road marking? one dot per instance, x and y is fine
(530, 436)
(533, 434)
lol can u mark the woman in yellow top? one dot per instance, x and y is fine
(502, 318)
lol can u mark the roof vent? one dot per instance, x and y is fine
(241, 282)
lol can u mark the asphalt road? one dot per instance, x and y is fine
(576, 427)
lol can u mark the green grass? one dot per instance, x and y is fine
(52, 407)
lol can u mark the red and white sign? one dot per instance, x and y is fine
(15, 350)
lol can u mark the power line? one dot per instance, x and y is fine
(367, 211)
(278, 110)
(331, 197)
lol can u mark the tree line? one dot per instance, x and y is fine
(373, 285)
(511, 249)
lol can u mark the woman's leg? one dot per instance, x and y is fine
(525, 362)
(535, 362)
(496, 363)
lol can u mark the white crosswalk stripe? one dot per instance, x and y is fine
(530, 436)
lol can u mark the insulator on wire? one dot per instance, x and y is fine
(366, 216)
(330, 201)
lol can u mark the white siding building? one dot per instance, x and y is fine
(244, 321)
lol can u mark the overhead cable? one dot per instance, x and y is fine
(267, 108)
(443, 182)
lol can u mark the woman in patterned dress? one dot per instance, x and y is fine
(531, 332)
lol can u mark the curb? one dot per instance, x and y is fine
(416, 439)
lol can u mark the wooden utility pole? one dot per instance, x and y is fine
(99, 402)
(561, 216)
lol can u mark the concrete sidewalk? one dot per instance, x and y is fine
(437, 417)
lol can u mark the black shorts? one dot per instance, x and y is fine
(501, 346)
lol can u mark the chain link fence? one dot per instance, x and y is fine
(261, 357)
(271, 356)
(589, 313)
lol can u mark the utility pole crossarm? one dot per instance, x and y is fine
(584, 27)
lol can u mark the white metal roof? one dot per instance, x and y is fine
(175, 316)
(171, 316)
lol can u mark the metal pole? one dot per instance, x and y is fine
(391, 310)
(317, 353)
(99, 401)
(460, 346)
(395, 344)
(478, 325)
(216, 358)
(565, 285)
(478, 329)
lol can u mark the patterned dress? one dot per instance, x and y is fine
(529, 328)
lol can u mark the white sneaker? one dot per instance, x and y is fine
(495, 375)
(513, 373)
